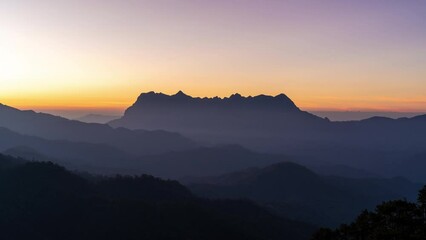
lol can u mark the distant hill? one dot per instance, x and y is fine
(99, 158)
(45, 201)
(361, 115)
(97, 118)
(294, 191)
(105, 159)
(57, 128)
(102, 158)
(25, 152)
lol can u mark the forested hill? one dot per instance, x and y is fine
(45, 201)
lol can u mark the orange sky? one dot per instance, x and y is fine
(100, 55)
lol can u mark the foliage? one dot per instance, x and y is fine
(392, 220)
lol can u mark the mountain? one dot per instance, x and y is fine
(296, 192)
(98, 158)
(9, 162)
(274, 124)
(359, 115)
(96, 118)
(217, 117)
(102, 158)
(57, 128)
(25, 152)
(45, 201)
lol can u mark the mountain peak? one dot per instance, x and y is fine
(282, 96)
(181, 95)
(150, 93)
(223, 116)
(236, 96)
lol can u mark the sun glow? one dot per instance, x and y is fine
(12, 62)
(69, 54)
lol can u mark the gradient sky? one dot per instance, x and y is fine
(98, 55)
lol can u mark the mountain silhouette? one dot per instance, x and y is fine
(98, 158)
(234, 115)
(96, 118)
(27, 153)
(57, 128)
(294, 191)
(102, 158)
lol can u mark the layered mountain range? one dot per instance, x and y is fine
(57, 128)
(158, 129)
(237, 147)
(274, 124)
(296, 192)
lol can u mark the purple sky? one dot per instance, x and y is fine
(326, 55)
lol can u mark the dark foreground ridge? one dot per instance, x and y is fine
(45, 201)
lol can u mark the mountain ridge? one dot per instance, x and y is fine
(53, 127)
(290, 189)
(234, 98)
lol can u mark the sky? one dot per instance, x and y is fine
(99, 55)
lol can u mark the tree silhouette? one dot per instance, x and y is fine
(392, 220)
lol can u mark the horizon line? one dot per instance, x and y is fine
(120, 106)
(124, 107)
